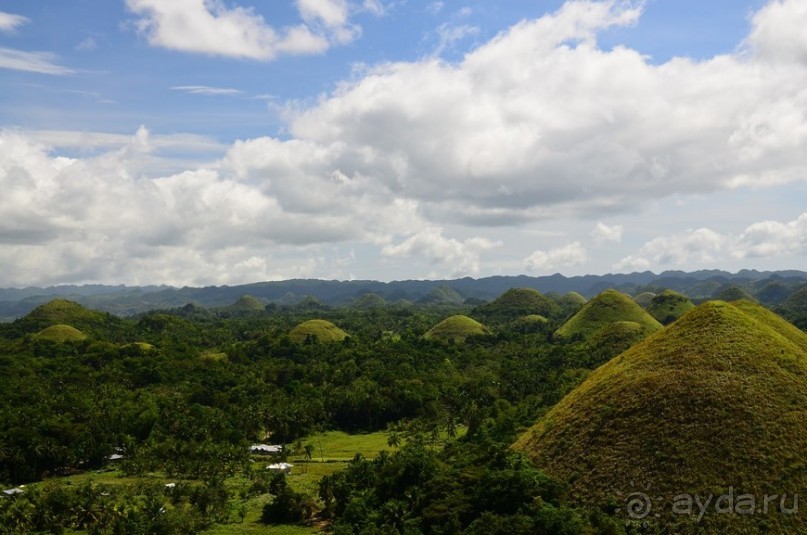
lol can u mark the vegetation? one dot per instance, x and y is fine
(456, 329)
(644, 299)
(317, 330)
(95, 428)
(608, 307)
(515, 303)
(668, 306)
(732, 293)
(710, 403)
(60, 334)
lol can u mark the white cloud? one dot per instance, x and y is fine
(540, 123)
(570, 255)
(331, 13)
(375, 7)
(211, 27)
(10, 21)
(207, 90)
(603, 233)
(39, 62)
(707, 247)
(456, 258)
(778, 31)
(772, 238)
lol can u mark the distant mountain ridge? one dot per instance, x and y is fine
(128, 300)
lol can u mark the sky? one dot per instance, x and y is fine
(213, 142)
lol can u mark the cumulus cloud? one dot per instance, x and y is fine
(265, 205)
(10, 21)
(211, 27)
(540, 123)
(778, 31)
(705, 246)
(570, 255)
(453, 257)
(603, 233)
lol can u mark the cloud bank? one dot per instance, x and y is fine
(419, 160)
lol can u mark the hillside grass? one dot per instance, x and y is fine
(457, 329)
(60, 334)
(324, 331)
(608, 307)
(716, 400)
(668, 306)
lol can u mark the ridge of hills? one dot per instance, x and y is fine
(716, 401)
(129, 300)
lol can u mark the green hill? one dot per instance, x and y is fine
(717, 402)
(531, 323)
(798, 300)
(517, 302)
(615, 338)
(668, 306)
(456, 328)
(644, 299)
(322, 330)
(732, 293)
(60, 334)
(369, 300)
(247, 303)
(442, 295)
(64, 312)
(608, 307)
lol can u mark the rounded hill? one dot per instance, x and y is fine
(608, 307)
(457, 329)
(247, 303)
(517, 302)
(64, 312)
(321, 330)
(668, 306)
(644, 299)
(733, 293)
(369, 300)
(60, 334)
(717, 401)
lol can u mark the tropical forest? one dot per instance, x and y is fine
(529, 412)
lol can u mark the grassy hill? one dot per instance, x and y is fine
(60, 334)
(456, 328)
(442, 295)
(717, 401)
(517, 302)
(246, 303)
(798, 300)
(644, 299)
(64, 312)
(732, 293)
(668, 306)
(323, 330)
(369, 300)
(608, 307)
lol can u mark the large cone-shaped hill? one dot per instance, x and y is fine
(322, 330)
(515, 303)
(718, 400)
(668, 306)
(456, 329)
(64, 312)
(607, 308)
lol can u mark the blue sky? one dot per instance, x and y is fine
(222, 142)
